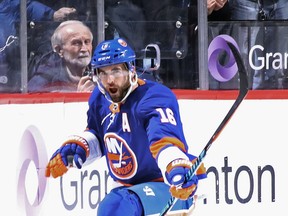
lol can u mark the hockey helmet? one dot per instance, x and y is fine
(112, 52)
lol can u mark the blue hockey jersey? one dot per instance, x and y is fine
(132, 135)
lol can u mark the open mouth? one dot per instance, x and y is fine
(112, 90)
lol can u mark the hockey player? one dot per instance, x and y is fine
(136, 125)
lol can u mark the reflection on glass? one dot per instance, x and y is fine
(10, 75)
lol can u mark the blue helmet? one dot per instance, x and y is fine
(112, 52)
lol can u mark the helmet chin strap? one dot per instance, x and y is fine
(132, 84)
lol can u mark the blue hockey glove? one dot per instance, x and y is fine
(75, 146)
(175, 175)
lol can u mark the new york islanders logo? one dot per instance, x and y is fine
(122, 160)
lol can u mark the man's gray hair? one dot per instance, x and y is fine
(57, 40)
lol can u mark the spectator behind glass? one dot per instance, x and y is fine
(262, 10)
(9, 34)
(39, 33)
(63, 69)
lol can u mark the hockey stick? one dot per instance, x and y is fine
(243, 90)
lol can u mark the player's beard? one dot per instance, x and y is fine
(121, 92)
(81, 61)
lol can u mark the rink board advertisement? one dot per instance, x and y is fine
(247, 164)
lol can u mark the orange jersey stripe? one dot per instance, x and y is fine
(156, 147)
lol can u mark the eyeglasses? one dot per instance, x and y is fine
(103, 75)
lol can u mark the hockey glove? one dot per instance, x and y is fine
(75, 147)
(175, 175)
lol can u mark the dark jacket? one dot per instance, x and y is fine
(50, 75)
